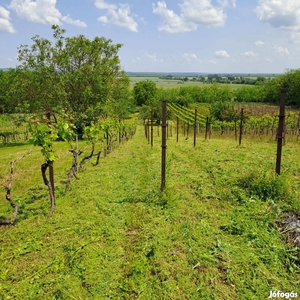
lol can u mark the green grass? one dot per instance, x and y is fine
(214, 234)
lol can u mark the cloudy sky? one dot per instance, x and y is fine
(219, 36)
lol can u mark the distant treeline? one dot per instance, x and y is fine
(210, 78)
(264, 90)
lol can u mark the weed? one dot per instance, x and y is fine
(213, 234)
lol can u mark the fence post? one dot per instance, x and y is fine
(163, 144)
(206, 128)
(177, 128)
(241, 126)
(151, 128)
(280, 130)
(148, 131)
(195, 127)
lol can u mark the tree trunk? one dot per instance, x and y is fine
(44, 168)
(8, 193)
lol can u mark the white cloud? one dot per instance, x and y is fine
(283, 14)
(259, 43)
(221, 54)
(42, 11)
(248, 53)
(193, 13)
(226, 3)
(283, 51)
(5, 24)
(100, 4)
(117, 15)
(191, 57)
(153, 58)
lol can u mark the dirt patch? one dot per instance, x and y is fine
(291, 228)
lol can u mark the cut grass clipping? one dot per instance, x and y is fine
(214, 234)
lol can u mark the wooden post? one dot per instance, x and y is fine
(151, 128)
(206, 128)
(77, 151)
(241, 126)
(177, 128)
(280, 130)
(195, 127)
(163, 144)
(148, 131)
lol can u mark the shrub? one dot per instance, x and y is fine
(265, 186)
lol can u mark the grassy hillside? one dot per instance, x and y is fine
(214, 234)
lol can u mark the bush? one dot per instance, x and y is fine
(265, 186)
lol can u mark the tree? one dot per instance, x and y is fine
(74, 74)
(145, 92)
(250, 94)
(223, 111)
(291, 81)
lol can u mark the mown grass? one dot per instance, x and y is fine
(213, 234)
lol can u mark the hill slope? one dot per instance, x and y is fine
(214, 233)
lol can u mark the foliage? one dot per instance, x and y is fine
(43, 136)
(265, 186)
(291, 81)
(44, 133)
(74, 74)
(145, 92)
(116, 236)
(223, 111)
(249, 94)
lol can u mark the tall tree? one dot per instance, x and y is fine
(75, 74)
(144, 93)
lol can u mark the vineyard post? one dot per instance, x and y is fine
(163, 144)
(177, 128)
(145, 128)
(195, 127)
(77, 151)
(280, 130)
(119, 132)
(206, 128)
(148, 131)
(51, 169)
(151, 128)
(241, 126)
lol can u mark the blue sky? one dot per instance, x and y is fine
(218, 36)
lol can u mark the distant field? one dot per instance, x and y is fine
(169, 84)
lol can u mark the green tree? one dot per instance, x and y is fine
(291, 81)
(250, 94)
(223, 111)
(75, 74)
(145, 93)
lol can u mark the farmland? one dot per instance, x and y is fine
(215, 233)
(170, 84)
(176, 80)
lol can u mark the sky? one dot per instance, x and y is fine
(210, 36)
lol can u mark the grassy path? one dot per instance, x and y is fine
(115, 236)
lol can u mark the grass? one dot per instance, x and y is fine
(213, 234)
